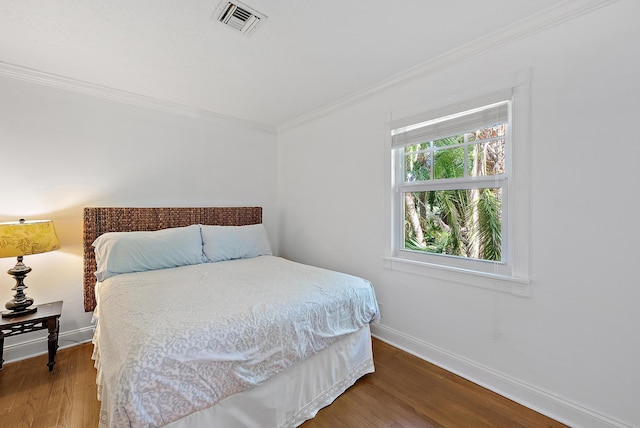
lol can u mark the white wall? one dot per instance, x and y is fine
(61, 151)
(571, 350)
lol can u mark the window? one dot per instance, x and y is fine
(459, 193)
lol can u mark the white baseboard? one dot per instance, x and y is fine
(39, 346)
(530, 396)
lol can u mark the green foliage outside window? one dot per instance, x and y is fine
(463, 222)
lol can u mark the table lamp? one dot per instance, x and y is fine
(18, 239)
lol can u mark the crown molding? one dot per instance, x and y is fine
(86, 88)
(550, 17)
(564, 11)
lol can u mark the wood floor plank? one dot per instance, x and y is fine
(404, 392)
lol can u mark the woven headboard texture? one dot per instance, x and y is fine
(99, 220)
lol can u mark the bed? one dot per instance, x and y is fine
(197, 324)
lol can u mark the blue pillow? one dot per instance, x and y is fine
(221, 243)
(124, 252)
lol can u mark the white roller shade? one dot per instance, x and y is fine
(456, 124)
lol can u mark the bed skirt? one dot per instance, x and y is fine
(295, 395)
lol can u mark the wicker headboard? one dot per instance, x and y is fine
(99, 220)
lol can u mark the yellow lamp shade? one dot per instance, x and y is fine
(21, 238)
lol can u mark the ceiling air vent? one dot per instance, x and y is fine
(239, 16)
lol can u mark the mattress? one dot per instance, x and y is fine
(170, 343)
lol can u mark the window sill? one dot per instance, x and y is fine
(502, 283)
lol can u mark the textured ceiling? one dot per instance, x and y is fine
(306, 55)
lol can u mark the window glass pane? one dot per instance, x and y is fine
(449, 163)
(417, 147)
(449, 141)
(486, 158)
(465, 223)
(417, 163)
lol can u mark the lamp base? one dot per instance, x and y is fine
(14, 314)
(20, 304)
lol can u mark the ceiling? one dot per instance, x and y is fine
(306, 55)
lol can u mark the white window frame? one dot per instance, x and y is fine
(511, 275)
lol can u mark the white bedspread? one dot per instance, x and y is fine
(173, 341)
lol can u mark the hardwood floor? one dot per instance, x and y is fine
(405, 391)
(31, 396)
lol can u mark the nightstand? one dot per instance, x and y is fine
(47, 316)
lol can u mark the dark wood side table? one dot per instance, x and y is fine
(47, 316)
